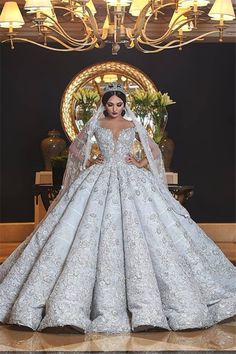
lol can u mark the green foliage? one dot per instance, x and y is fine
(151, 105)
(86, 100)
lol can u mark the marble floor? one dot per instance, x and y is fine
(221, 337)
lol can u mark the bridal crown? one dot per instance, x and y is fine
(114, 86)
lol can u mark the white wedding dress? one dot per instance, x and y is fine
(112, 256)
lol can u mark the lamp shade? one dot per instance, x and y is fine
(187, 27)
(37, 5)
(137, 6)
(90, 5)
(106, 23)
(188, 3)
(11, 16)
(177, 20)
(222, 9)
(118, 2)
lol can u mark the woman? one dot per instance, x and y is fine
(116, 252)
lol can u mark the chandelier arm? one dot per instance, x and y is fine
(63, 44)
(93, 24)
(141, 20)
(69, 39)
(160, 48)
(78, 47)
(104, 34)
(145, 38)
(168, 33)
(69, 49)
(170, 46)
(148, 19)
(61, 29)
(157, 10)
(91, 19)
(68, 11)
(202, 36)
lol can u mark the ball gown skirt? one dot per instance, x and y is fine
(113, 256)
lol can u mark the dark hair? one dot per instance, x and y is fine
(109, 94)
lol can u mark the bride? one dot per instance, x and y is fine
(116, 252)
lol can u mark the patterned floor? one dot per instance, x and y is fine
(221, 337)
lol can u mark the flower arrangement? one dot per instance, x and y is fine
(161, 100)
(151, 106)
(140, 102)
(86, 102)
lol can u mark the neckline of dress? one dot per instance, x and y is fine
(118, 136)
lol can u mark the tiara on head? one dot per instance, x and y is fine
(114, 86)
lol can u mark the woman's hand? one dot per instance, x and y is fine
(137, 163)
(99, 159)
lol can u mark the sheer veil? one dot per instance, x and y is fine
(80, 148)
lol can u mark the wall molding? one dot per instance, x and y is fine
(11, 235)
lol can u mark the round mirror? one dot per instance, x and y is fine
(83, 93)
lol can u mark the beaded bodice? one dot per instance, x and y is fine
(114, 148)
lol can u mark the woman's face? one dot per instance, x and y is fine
(114, 106)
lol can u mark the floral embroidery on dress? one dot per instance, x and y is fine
(113, 255)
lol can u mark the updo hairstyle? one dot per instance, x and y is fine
(108, 95)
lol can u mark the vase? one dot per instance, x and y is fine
(83, 114)
(160, 119)
(53, 145)
(167, 146)
(58, 169)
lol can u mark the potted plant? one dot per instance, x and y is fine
(86, 102)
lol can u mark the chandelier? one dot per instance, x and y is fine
(126, 22)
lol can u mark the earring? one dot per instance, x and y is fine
(123, 112)
(105, 113)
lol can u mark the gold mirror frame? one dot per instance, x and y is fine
(89, 74)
